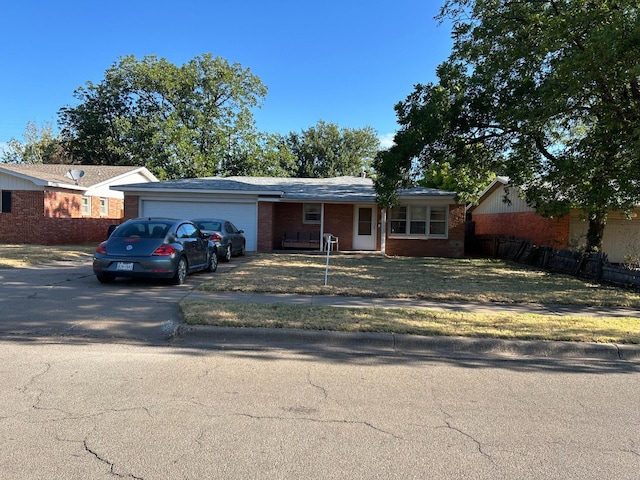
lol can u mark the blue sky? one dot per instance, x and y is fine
(346, 62)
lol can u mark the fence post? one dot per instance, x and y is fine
(599, 265)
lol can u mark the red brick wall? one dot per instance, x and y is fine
(338, 221)
(450, 247)
(131, 206)
(288, 217)
(54, 218)
(266, 240)
(553, 232)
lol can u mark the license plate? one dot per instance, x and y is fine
(125, 267)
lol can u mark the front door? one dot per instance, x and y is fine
(364, 229)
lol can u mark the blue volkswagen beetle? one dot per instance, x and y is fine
(155, 248)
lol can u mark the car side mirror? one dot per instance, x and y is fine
(240, 231)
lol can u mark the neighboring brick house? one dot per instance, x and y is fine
(493, 216)
(54, 204)
(427, 222)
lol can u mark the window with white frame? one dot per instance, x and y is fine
(86, 205)
(419, 220)
(312, 212)
(104, 206)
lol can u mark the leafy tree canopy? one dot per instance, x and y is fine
(39, 145)
(178, 121)
(546, 92)
(325, 150)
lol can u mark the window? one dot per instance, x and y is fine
(86, 205)
(438, 221)
(5, 201)
(419, 220)
(365, 221)
(104, 207)
(418, 223)
(399, 220)
(312, 212)
(188, 230)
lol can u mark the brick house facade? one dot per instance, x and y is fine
(42, 205)
(492, 216)
(268, 208)
(553, 232)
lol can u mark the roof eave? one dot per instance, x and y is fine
(142, 170)
(142, 190)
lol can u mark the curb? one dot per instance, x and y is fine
(198, 336)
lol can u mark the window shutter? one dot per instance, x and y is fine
(6, 201)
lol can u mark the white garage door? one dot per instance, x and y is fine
(243, 215)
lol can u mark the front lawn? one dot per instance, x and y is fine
(24, 255)
(446, 279)
(451, 280)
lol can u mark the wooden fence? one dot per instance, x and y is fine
(594, 266)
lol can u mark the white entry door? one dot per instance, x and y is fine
(364, 228)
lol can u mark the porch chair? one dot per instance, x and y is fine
(330, 241)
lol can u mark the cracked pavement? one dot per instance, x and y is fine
(146, 412)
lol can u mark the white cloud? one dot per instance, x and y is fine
(386, 140)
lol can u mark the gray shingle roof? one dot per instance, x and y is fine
(346, 189)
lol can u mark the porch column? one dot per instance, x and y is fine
(383, 231)
(321, 227)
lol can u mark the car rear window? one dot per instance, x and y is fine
(209, 226)
(143, 230)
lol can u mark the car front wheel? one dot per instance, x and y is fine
(180, 275)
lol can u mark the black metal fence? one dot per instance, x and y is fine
(594, 266)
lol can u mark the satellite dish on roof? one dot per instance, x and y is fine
(75, 175)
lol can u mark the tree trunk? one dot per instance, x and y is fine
(597, 222)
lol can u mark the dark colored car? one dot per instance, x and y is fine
(229, 239)
(155, 248)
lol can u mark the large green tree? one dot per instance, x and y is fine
(39, 145)
(179, 121)
(546, 92)
(325, 150)
(262, 154)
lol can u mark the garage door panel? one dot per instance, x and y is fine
(242, 215)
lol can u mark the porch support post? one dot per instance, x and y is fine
(383, 231)
(321, 227)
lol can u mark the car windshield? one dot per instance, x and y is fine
(143, 230)
(209, 226)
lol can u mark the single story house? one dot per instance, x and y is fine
(53, 204)
(493, 216)
(280, 213)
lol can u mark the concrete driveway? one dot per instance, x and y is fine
(64, 299)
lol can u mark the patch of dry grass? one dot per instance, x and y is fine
(413, 321)
(14, 255)
(446, 279)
